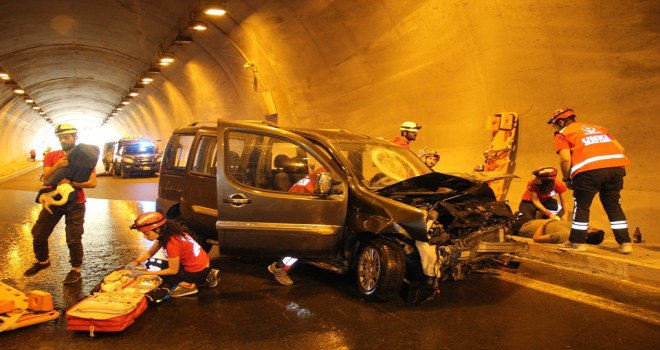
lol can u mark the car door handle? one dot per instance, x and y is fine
(237, 199)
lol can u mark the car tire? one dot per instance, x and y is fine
(380, 270)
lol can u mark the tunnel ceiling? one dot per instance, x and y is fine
(80, 58)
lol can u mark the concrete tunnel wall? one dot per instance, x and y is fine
(367, 66)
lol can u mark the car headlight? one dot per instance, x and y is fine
(128, 160)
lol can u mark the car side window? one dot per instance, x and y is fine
(177, 153)
(269, 163)
(205, 156)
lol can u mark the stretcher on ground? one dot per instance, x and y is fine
(19, 310)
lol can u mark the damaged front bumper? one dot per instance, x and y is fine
(488, 243)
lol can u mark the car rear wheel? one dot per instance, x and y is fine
(380, 270)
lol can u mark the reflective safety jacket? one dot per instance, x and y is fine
(402, 141)
(306, 184)
(592, 147)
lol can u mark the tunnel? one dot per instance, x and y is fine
(361, 65)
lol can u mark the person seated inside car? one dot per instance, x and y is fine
(280, 268)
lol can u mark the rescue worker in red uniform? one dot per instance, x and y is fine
(67, 135)
(409, 132)
(187, 263)
(591, 162)
(539, 196)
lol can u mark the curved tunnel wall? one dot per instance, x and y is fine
(367, 66)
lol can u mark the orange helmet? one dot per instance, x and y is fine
(561, 113)
(148, 221)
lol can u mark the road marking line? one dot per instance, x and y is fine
(581, 297)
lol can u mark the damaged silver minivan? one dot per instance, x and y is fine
(338, 200)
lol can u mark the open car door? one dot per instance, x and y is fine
(259, 215)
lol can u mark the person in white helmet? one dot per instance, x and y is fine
(409, 132)
(75, 214)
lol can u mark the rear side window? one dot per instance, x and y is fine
(176, 154)
(205, 156)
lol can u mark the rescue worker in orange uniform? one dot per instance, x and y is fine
(409, 132)
(591, 161)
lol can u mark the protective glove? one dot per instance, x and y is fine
(135, 273)
(131, 265)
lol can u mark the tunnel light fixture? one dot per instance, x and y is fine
(19, 91)
(4, 76)
(133, 93)
(153, 70)
(214, 7)
(125, 102)
(183, 39)
(36, 108)
(42, 113)
(165, 59)
(146, 80)
(119, 109)
(29, 100)
(198, 25)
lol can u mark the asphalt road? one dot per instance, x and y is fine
(536, 307)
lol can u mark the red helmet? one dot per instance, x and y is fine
(148, 221)
(561, 113)
(545, 172)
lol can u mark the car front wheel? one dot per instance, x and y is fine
(380, 270)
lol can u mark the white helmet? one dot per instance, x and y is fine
(410, 126)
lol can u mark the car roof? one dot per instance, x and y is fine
(334, 135)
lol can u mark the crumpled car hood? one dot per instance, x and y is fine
(462, 205)
(438, 184)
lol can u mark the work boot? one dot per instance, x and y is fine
(625, 248)
(36, 268)
(72, 277)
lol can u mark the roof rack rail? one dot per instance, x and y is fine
(195, 123)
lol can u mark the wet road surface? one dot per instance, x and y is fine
(249, 310)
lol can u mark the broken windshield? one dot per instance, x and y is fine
(380, 164)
